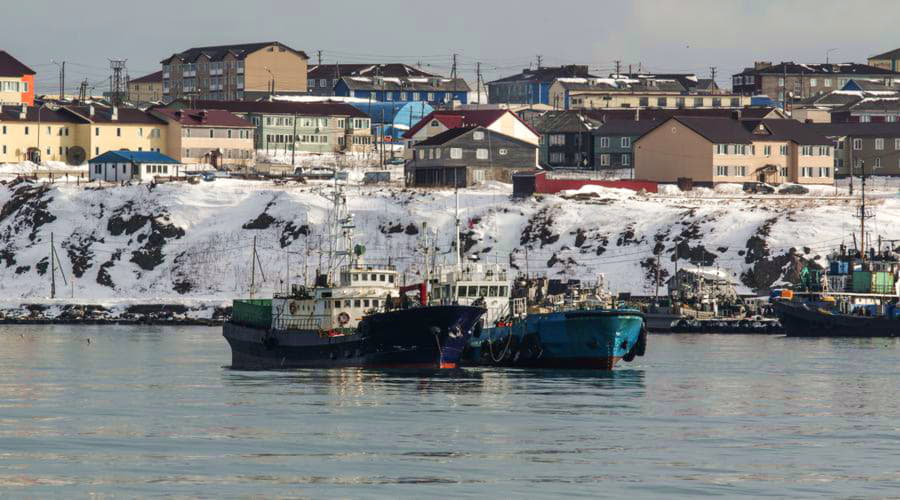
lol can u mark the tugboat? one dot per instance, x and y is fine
(857, 297)
(350, 317)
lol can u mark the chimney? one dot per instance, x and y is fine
(91, 110)
(115, 113)
(758, 65)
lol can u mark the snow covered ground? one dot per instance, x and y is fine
(183, 243)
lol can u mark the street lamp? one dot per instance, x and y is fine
(827, 52)
(42, 106)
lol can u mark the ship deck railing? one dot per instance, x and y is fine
(295, 323)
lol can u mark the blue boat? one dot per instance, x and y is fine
(577, 339)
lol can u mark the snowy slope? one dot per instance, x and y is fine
(179, 241)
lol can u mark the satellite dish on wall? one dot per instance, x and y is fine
(76, 156)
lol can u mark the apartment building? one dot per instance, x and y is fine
(234, 72)
(874, 145)
(317, 127)
(789, 81)
(16, 81)
(714, 150)
(209, 136)
(323, 77)
(146, 89)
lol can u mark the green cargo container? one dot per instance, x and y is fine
(252, 312)
(873, 282)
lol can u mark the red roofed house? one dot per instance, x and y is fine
(16, 81)
(502, 121)
(213, 136)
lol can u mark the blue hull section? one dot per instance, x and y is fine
(594, 339)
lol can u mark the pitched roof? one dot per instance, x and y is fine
(891, 54)
(132, 157)
(891, 104)
(155, 77)
(462, 118)
(14, 114)
(622, 85)
(10, 66)
(786, 130)
(203, 117)
(547, 74)
(833, 99)
(628, 127)
(450, 135)
(395, 70)
(564, 122)
(413, 84)
(718, 130)
(218, 52)
(104, 114)
(870, 129)
(283, 107)
(687, 80)
(792, 68)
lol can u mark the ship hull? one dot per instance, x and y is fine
(591, 339)
(426, 337)
(801, 319)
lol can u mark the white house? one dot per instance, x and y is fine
(140, 166)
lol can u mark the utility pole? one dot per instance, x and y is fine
(540, 60)
(784, 89)
(52, 268)
(82, 91)
(294, 139)
(618, 65)
(253, 268)
(478, 81)
(319, 53)
(453, 77)
(712, 73)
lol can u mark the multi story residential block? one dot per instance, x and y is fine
(74, 133)
(105, 128)
(791, 81)
(146, 89)
(317, 127)
(889, 60)
(502, 121)
(610, 93)
(468, 155)
(235, 72)
(566, 139)
(211, 136)
(532, 86)
(709, 151)
(875, 146)
(614, 142)
(436, 91)
(323, 77)
(16, 81)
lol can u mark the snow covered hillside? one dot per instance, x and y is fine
(179, 241)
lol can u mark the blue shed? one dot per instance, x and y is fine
(396, 117)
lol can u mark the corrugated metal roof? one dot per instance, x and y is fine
(132, 157)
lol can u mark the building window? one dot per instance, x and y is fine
(604, 160)
(478, 135)
(604, 142)
(698, 102)
(826, 82)
(625, 160)
(806, 172)
(877, 163)
(735, 102)
(557, 158)
(431, 96)
(456, 153)
(643, 101)
(97, 131)
(481, 154)
(767, 150)
(403, 96)
(662, 102)
(740, 170)
(824, 172)
(783, 171)
(857, 144)
(557, 140)
(813, 82)
(679, 102)
(782, 150)
(625, 142)
(503, 151)
(722, 170)
(879, 144)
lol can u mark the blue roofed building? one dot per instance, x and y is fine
(124, 165)
(395, 117)
(532, 86)
(436, 91)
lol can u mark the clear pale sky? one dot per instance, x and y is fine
(506, 36)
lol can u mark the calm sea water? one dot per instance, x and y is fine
(142, 411)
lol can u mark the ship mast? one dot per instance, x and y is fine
(456, 228)
(862, 211)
